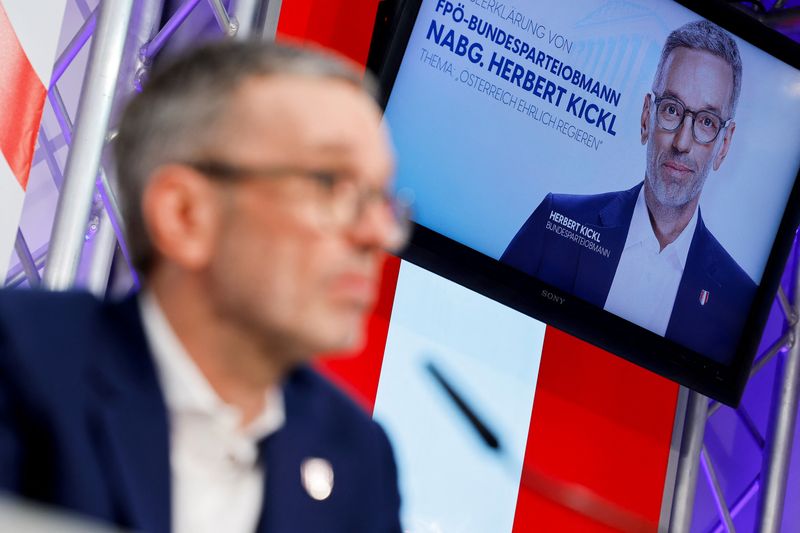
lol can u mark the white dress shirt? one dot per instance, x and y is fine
(647, 278)
(217, 481)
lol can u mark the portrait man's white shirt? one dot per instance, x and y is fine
(647, 278)
(217, 481)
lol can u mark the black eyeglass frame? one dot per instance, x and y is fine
(219, 169)
(693, 113)
(399, 207)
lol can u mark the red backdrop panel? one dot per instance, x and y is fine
(599, 424)
(342, 25)
(21, 101)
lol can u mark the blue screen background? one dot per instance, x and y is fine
(478, 167)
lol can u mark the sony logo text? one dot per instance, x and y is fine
(553, 297)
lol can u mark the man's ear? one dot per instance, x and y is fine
(726, 145)
(645, 124)
(181, 210)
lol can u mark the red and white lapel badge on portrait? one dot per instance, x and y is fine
(704, 297)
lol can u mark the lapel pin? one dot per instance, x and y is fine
(317, 477)
(704, 297)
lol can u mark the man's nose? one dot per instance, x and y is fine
(682, 140)
(375, 227)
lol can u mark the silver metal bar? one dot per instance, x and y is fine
(109, 199)
(47, 150)
(56, 143)
(103, 253)
(673, 460)
(267, 21)
(152, 47)
(783, 342)
(689, 463)
(719, 497)
(788, 312)
(740, 502)
(227, 24)
(141, 28)
(84, 8)
(114, 221)
(780, 433)
(16, 275)
(15, 280)
(786, 341)
(713, 407)
(245, 12)
(26, 260)
(61, 113)
(103, 186)
(114, 215)
(75, 45)
(38, 156)
(750, 424)
(94, 111)
(110, 202)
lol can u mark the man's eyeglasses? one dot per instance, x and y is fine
(706, 125)
(344, 202)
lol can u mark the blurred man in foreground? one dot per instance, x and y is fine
(254, 180)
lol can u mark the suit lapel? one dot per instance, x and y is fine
(596, 269)
(698, 301)
(284, 505)
(698, 274)
(132, 420)
(287, 506)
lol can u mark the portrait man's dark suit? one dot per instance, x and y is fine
(83, 426)
(711, 327)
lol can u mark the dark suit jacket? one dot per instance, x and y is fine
(83, 425)
(711, 328)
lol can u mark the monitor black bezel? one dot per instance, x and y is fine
(527, 294)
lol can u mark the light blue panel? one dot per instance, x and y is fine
(450, 480)
(479, 167)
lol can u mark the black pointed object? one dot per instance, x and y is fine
(487, 435)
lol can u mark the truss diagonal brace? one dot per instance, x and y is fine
(780, 434)
(94, 112)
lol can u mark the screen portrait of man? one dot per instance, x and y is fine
(645, 254)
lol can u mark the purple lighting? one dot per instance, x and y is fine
(73, 48)
(158, 42)
(736, 454)
(745, 498)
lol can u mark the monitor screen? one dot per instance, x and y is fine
(622, 170)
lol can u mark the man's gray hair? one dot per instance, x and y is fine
(705, 36)
(177, 116)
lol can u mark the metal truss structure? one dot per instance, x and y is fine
(770, 483)
(783, 356)
(125, 36)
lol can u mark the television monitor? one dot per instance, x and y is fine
(623, 170)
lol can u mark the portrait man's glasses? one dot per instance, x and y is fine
(343, 203)
(706, 125)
